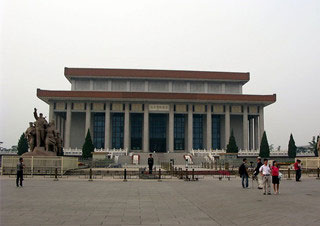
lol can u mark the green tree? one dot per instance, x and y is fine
(292, 148)
(313, 146)
(264, 146)
(88, 146)
(232, 146)
(22, 145)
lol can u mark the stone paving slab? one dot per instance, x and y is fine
(43, 201)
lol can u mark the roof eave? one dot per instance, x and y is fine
(251, 99)
(242, 77)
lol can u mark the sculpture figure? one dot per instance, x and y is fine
(30, 135)
(43, 138)
(51, 137)
(41, 124)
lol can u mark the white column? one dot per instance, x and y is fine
(190, 127)
(88, 120)
(68, 127)
(73, 84)
(209, 128)
(146, 86)
(171, 128)
(251, 134)
(51, 113)
(109, 85)
(126, 126)
(188, 87)
(256, 134)
(223, 88)
(170, 87)
(206, 87)
(245, 128)
(227, 125)
(261, 122)
(107, 120)
(91, 84)
(146, 128)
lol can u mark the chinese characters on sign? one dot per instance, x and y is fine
(158, 107)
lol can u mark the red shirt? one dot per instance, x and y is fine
(274, 171)
(296, 166)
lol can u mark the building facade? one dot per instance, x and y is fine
(157, 110)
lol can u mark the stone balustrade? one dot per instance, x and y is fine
(112, 152)
(246, 153)
(205, 152)
(72, 152)
(5, 152)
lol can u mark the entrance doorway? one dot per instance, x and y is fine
(158, 132)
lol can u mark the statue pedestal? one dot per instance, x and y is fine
(39, 151)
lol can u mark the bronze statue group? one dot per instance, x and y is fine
(43, 134)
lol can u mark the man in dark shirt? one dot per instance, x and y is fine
(244, 173)
(20, 167)
(257, 174)
(150, 163)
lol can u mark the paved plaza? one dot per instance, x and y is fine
(75, 201)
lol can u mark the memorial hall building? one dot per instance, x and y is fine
(157, 110)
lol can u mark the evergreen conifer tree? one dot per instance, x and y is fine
(88, 146)
(232, 146)
(292, 148)
(316, 152)
(313, 146)
(22, 145)
(264, 147)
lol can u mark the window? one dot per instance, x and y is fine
(197, 131)
(98, 130)
(136, 131)
(179, 131)
(216, 132)
(117, 130)
(157, 132)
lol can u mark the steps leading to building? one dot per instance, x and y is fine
(161, 158)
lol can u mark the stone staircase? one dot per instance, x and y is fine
(161, 158)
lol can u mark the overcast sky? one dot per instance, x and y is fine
(278, 42)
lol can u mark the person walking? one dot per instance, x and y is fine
(265, 173)
(297, 168)
(257, 174)
(244, 173)
(20, 166)
(150, 163)
(275, 177)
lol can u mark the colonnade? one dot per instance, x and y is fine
(253, 126)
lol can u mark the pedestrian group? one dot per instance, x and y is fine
(265, 175)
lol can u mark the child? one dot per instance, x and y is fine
(275, 177)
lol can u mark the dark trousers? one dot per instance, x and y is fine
(298, 174)
(245, 178)
(19, 177)
(150, 169)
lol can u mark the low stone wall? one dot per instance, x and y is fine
(309, 162)
(39, 165)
